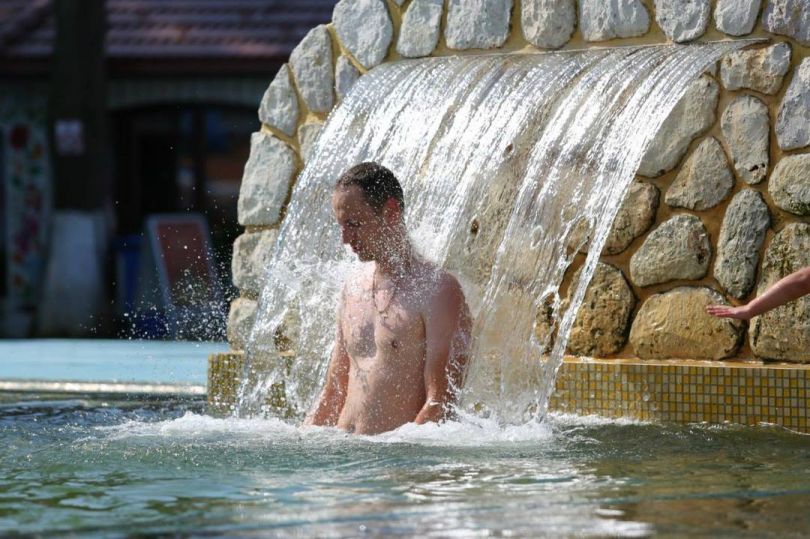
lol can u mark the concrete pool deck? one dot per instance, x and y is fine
(136, 367)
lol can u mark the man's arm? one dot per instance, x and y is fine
(331, 400)
(790, 287)
(447, 329)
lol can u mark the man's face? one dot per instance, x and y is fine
(361, 228)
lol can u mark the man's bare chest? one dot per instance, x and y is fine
(388, 328)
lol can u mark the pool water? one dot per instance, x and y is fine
(104, 467)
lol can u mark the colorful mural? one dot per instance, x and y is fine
(25, 175)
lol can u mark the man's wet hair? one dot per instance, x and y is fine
(377, 183)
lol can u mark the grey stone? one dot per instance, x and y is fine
(762, 70)
(736, 17)
(678, 249)
(675, 325)
(269, 171)
(693, 115)
(789, 186)
(279, 105)
(365, 29)
(311, 63)
(784, 332)
(746, 128)
(603, 319)
(744, 226)
(600, 20)
(477, 24)
(682, 20)
(345, 76)
(793, 120)
(307, 136)
(548, 24)
(251, 255)
(419, 33)
(636, 216)
(788, 18)
(241, 318)
(704, 180)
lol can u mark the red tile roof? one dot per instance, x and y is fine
(173, 29)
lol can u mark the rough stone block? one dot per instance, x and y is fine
(269, 171)
(251, 255)
(746, 128)
(789, 186)
(675, 325)
(762, 70)
(311, 63)
(345, 76)
(307, 136)
(240, 322)
(279, 105)
(744, 226)
(419, 33)
(789, 18)
(365, 29)
(603, 319)
(736, 17)
(548, 24)
(477, 24)
(704, 180)
(636, 216)
(678, 249)
(784, 332)
(600, 20)
(793, 120)
(682, 20)
(694, 114)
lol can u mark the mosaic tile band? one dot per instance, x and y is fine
(746, 393)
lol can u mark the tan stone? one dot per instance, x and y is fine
(678, 249)
(251, 255)
(675, 325)
(240, 322)
(784, 332)
(603, 319)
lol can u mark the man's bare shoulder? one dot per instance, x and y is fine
(358, 280)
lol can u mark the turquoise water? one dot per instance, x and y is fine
(110, 468)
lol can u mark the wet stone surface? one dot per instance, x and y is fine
(678, 249)
(704, 180)
(675, 324)
(746, 129)
(742, 233)
(603, 319)
(693, 115)
(784, 332)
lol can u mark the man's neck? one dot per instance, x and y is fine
(397, 260)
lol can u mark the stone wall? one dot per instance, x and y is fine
(721, 205)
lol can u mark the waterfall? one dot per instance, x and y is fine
(509, 163)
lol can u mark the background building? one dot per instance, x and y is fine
(114, 111)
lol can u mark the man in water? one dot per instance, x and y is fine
(403, 325)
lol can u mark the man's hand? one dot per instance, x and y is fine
(725, 311)
(432, 411)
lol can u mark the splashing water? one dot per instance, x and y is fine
(509, 164)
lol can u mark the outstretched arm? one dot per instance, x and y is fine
(790, 287)
(447, 330)
(331, 400)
